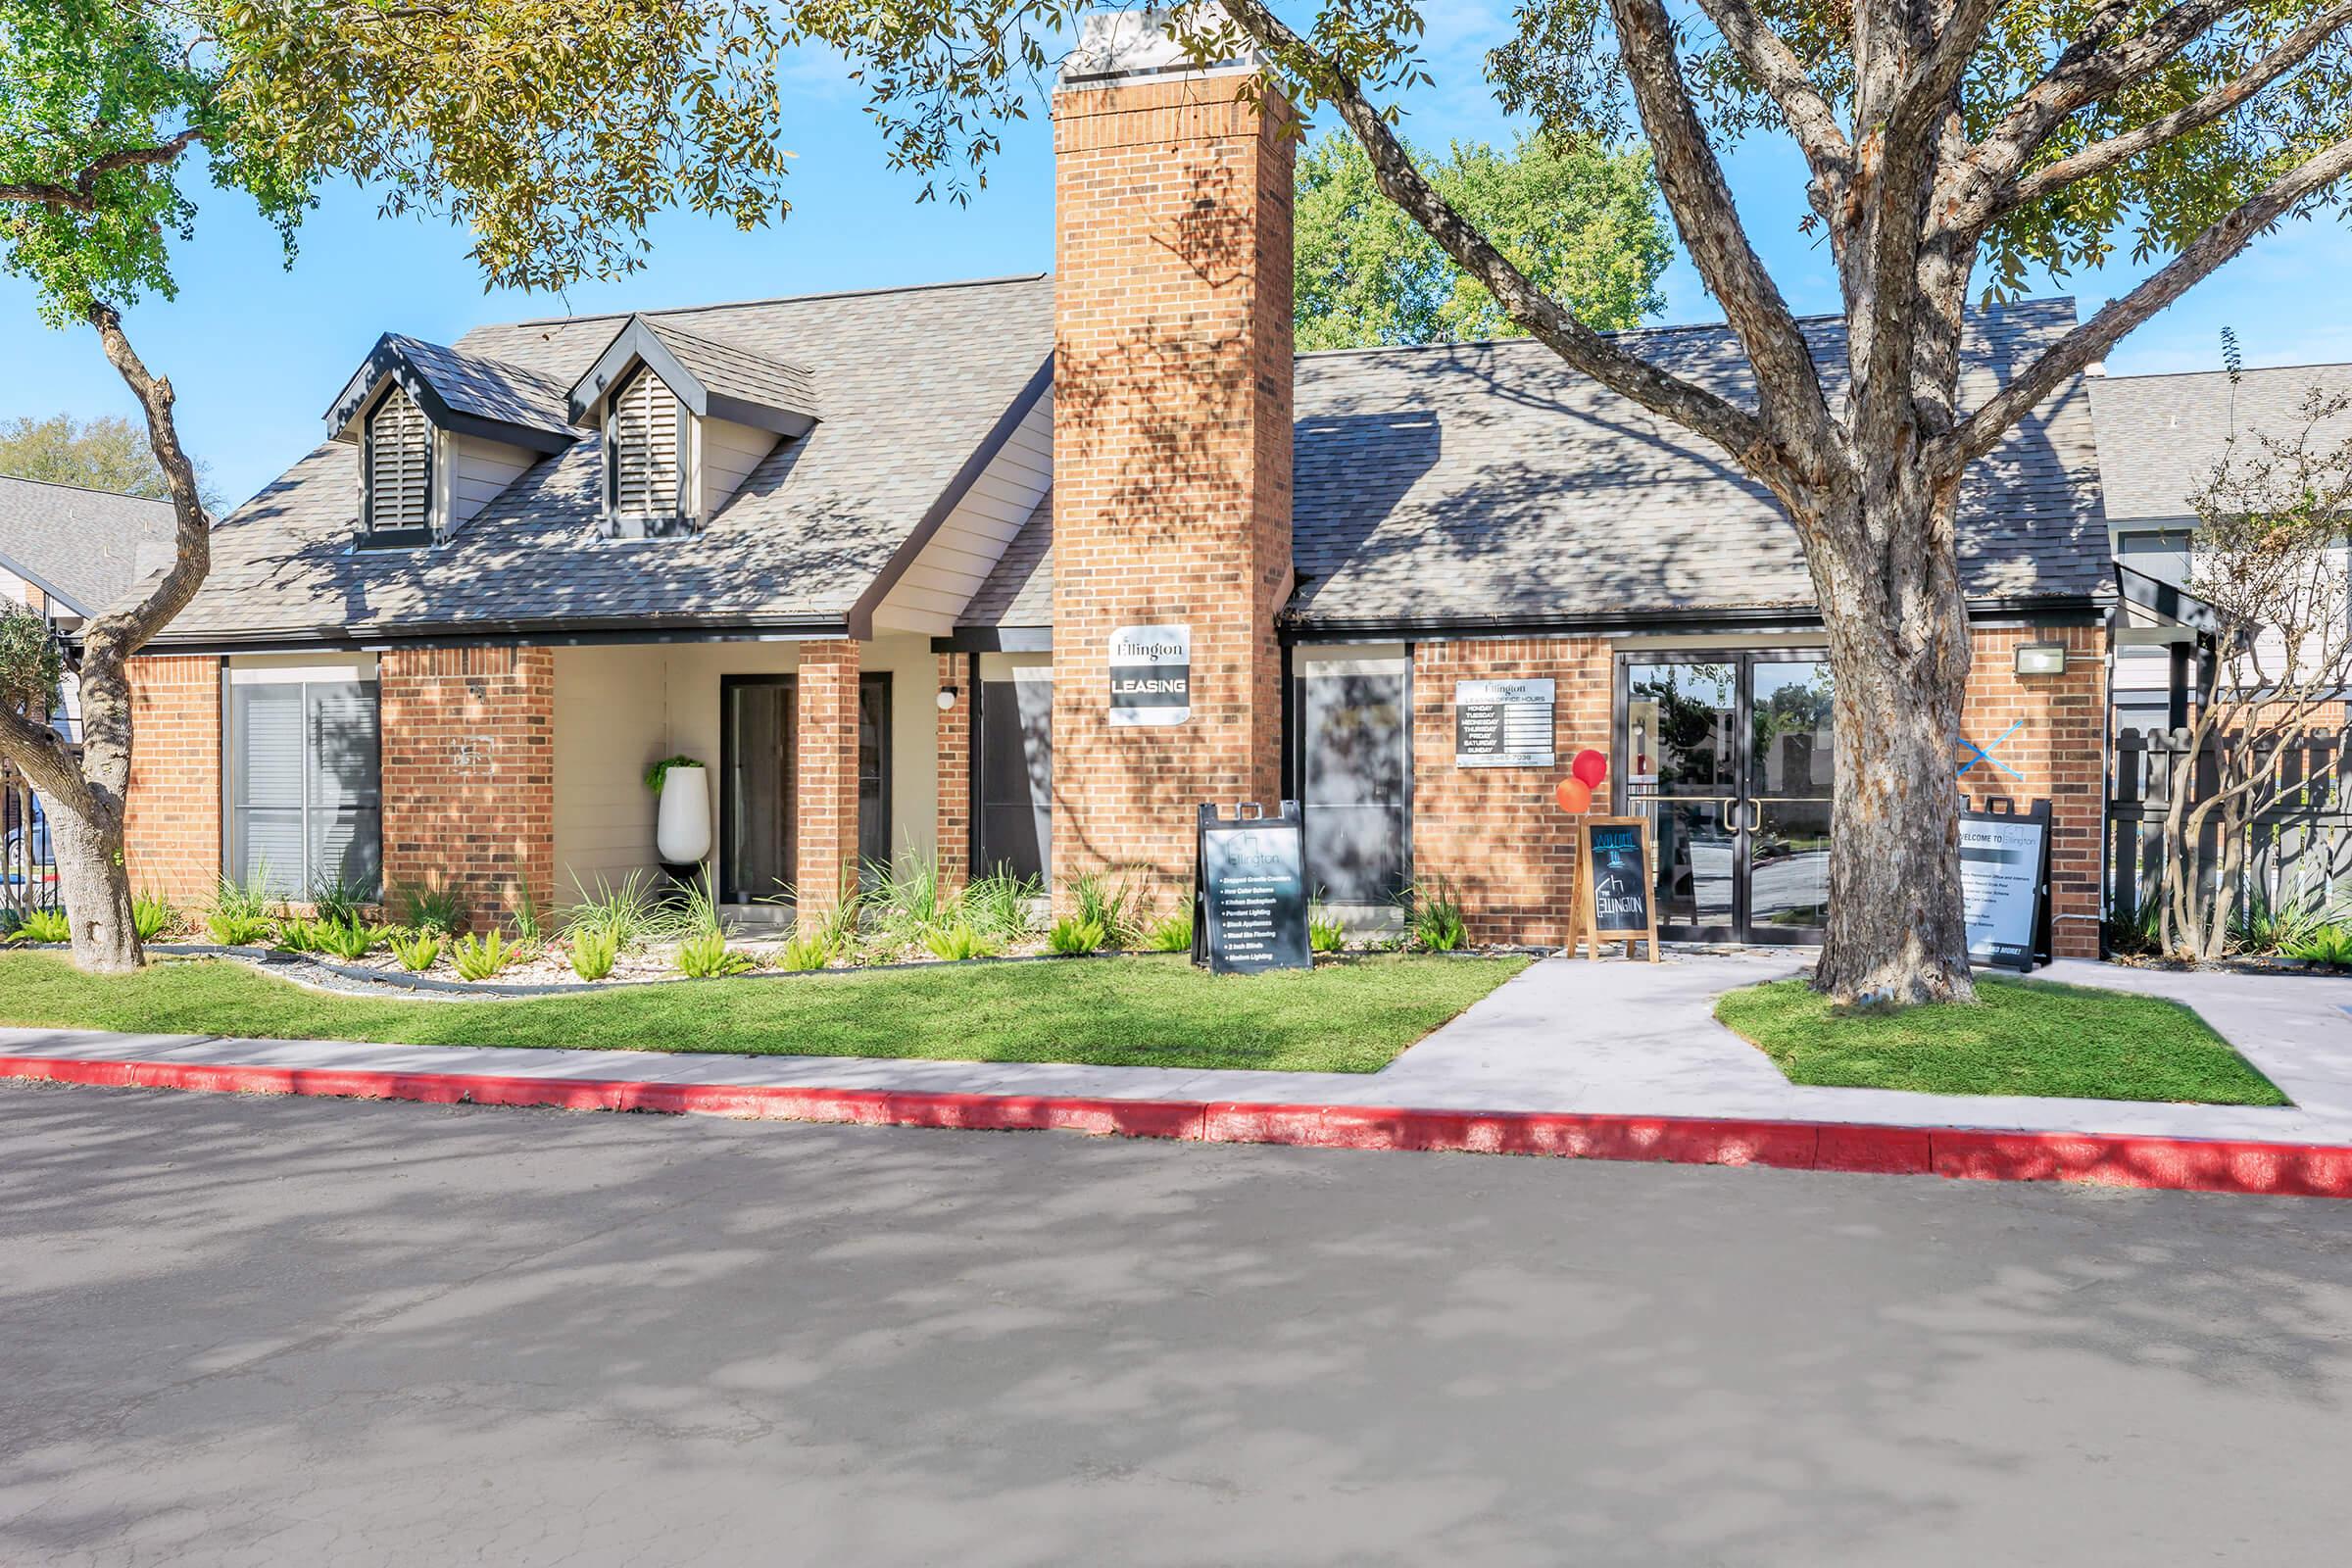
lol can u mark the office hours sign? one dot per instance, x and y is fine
(1502, 723)
(1151, 674)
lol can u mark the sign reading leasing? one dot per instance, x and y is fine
(2005, 885)
(1502, 723)
(1250, 892)
(1151, 674)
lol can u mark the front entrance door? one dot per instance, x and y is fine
(1729, 755)
(759, 825)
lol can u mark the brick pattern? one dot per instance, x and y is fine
(2057, 748)
(826, 856)
(468, 774)
(1171, 455)
(1495, 834)
(171, 818)
(954, 792)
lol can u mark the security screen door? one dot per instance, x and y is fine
(1729, 755)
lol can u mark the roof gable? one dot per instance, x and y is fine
(712, 380)
(467, 394)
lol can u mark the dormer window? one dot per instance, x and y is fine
(644, 432)
(397, 486)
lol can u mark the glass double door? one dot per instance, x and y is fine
(1731, 756)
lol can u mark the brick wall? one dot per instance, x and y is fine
(172, 816)
(826, 856)
(468, 774)
(1496, 833)
(1171, 455)
(2054, 752)
(954, 792)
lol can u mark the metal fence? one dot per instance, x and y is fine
(27, 864)
(2298, 854)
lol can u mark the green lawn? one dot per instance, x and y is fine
(1350, 1017)
(2019, 1037)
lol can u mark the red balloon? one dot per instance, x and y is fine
(1591, 767)
(1573, 795)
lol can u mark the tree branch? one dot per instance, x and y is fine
(2224, 239)
(81, 195)
(2100, 157)
(115, 634)
(1710, 415)
(41, 753)
(1811, 120)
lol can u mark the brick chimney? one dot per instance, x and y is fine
(1171, 443)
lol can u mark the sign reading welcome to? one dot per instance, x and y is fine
(1502, 723)
(2005, 885)
(1151, 674)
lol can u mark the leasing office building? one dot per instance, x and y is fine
(1018, 571)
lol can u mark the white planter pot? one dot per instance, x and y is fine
(682, 827)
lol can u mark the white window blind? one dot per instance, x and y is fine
(399, 465)
(644, 433)
(306, 802)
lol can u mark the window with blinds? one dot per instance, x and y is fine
(641, 445)
(400, 470)
(305, 803)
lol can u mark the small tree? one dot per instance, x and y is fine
(553, 128)
(105, 452)
(2268, 555)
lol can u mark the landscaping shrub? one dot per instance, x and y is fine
(42, 925)
(151, 915)
(593, 952)
(707, 956)
(338, 900)
(958, 942)
(802, 953)
(1436, 917)
(350, 939)
(1173, 932)
(629, 913)
(1115, 906)
(240, 912)
(297, 935)
(2329, 944)
(1002, 906)
(530, 931)
(437, 910)
(416, 951)
(908, 903)
(1073, 936)
(1324, 931)
(480, 957)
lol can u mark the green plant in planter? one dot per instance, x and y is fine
(436, 910)
(1073, 936)
(1173, 932)
(958, 942)
(240, 912)
(1436, 917)
(655, 774)
(297, 935)
(1000, 905)
(1115, 904)
(416, 951)
(340, 899)
(705, 955)
(151, 915)
(350, 939)
(1325, 933)
(593, 952)
(802, 953)
(42, 925)
(481, 957)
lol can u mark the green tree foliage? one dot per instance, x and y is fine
(107, 452)
(1581, 220)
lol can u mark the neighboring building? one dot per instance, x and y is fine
(909, 570)
(70, 553)
(2161, 438)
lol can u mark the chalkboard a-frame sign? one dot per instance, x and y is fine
(1613, 885)
(1249, 891)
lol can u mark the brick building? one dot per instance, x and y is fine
(1016, 572)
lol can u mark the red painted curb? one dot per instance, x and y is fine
(2300, 1170)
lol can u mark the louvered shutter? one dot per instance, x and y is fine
(399, 465)
(346, 817)
(644, 447)
(269, 782)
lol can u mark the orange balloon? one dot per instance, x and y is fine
(1573, 795)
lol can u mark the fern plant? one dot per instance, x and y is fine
(42, 925)
(2327, 945)
(240, 912)
(297, 935)
(1073, 936)
(593, 952)
(351, 940)
(480, 957)
(151, 915)
(1114, 904)
(416, 951)
(1325, 932)
(705, 955)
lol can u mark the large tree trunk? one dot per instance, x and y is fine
(95, 884)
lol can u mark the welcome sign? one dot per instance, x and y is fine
(1613, 885)
(1151, 674)
(2005, 885)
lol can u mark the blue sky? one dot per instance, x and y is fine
(258, 351)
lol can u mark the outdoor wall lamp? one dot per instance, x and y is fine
(2041, 658)
(946, 699)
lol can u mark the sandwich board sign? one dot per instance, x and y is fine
(2005, 884)
(1151, 676)
(1613, 885)
(1250, 890)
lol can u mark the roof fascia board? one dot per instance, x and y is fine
(546, 635)
(995, 640)
(862, 613)
(18, 568)
(2053, 610)
(787, 422)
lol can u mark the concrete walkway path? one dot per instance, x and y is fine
(1566, 1038)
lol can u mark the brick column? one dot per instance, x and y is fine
(468, 774)
(954, 782)
(171, 818)
(2059, 748)
(1171, 454)
(825, 854)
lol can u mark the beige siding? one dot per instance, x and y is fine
(727, 453)
(944, 578)
(477, 471)
(612, 723)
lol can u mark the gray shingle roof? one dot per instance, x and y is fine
(85, 547)
(1490, 481)
(737, 373)
(488, 388)
(1019, 590)
(2160, 435)
(912, 381)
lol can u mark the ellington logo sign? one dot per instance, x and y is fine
(1151, 674)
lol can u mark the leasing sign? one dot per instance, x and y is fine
(1151, 674)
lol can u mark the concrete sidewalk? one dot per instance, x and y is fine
(1567, 1038)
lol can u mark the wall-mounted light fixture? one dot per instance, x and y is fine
(2041, 658)
(946, 699)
